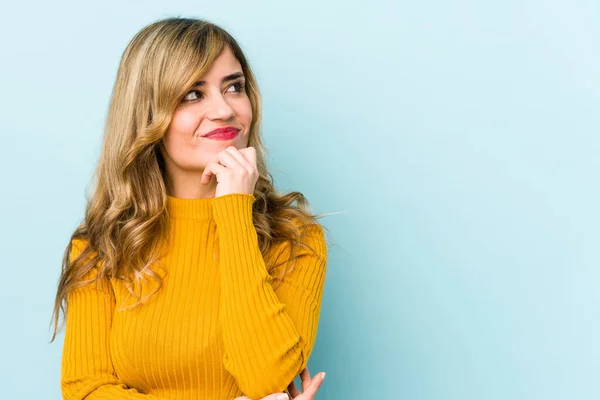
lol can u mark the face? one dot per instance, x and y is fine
(217, 101)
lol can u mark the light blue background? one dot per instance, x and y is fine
(458, 139)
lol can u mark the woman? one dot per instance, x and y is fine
(190, 277)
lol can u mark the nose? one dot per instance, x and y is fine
(220, 109)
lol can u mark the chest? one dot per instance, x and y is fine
(174, 339)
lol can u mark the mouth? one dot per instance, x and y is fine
(218, 131)
(227, 133)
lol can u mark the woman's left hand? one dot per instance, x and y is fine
(310, 386)
(235, 171)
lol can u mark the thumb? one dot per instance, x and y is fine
(275, 396)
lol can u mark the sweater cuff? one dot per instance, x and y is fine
(233, 212)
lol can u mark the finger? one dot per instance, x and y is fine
(305, 375)
(212, 168)
(293, 390)
(206, 175)
(227, 159)
(275, 396)
(240, 158)
(250, 154)
(314, 385)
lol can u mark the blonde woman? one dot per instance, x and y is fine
(190, 277)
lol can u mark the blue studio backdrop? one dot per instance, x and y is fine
(454, 142)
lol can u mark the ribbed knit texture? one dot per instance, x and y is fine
(217, 329)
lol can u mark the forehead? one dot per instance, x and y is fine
(226, 63)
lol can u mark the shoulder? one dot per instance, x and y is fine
(313, 236)
(78, 245)
(308, 239)
(309, 231)
(85, 270)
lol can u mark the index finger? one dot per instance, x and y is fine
(314, 385)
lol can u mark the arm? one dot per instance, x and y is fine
(87, 370)
(268, 334)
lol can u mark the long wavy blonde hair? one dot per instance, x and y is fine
(126, 216)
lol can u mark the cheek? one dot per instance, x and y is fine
(184, 124)
(180, 143)
(245, 112)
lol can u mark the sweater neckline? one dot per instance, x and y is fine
(190, 208)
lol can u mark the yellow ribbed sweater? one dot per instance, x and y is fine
(217, 329)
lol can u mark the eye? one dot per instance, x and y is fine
(195, 93)
(240, 84)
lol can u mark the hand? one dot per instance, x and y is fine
(235, 171)
(309, 387)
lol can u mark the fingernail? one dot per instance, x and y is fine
(282, 397)
(322, 375)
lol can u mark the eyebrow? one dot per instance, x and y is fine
(228, 78)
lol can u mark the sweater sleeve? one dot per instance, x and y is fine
(87, 370)
(268, 334)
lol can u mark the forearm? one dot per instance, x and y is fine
(262, 346)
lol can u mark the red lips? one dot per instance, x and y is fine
(225, 130)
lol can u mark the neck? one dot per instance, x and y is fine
(190, 208)
(186, 185)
